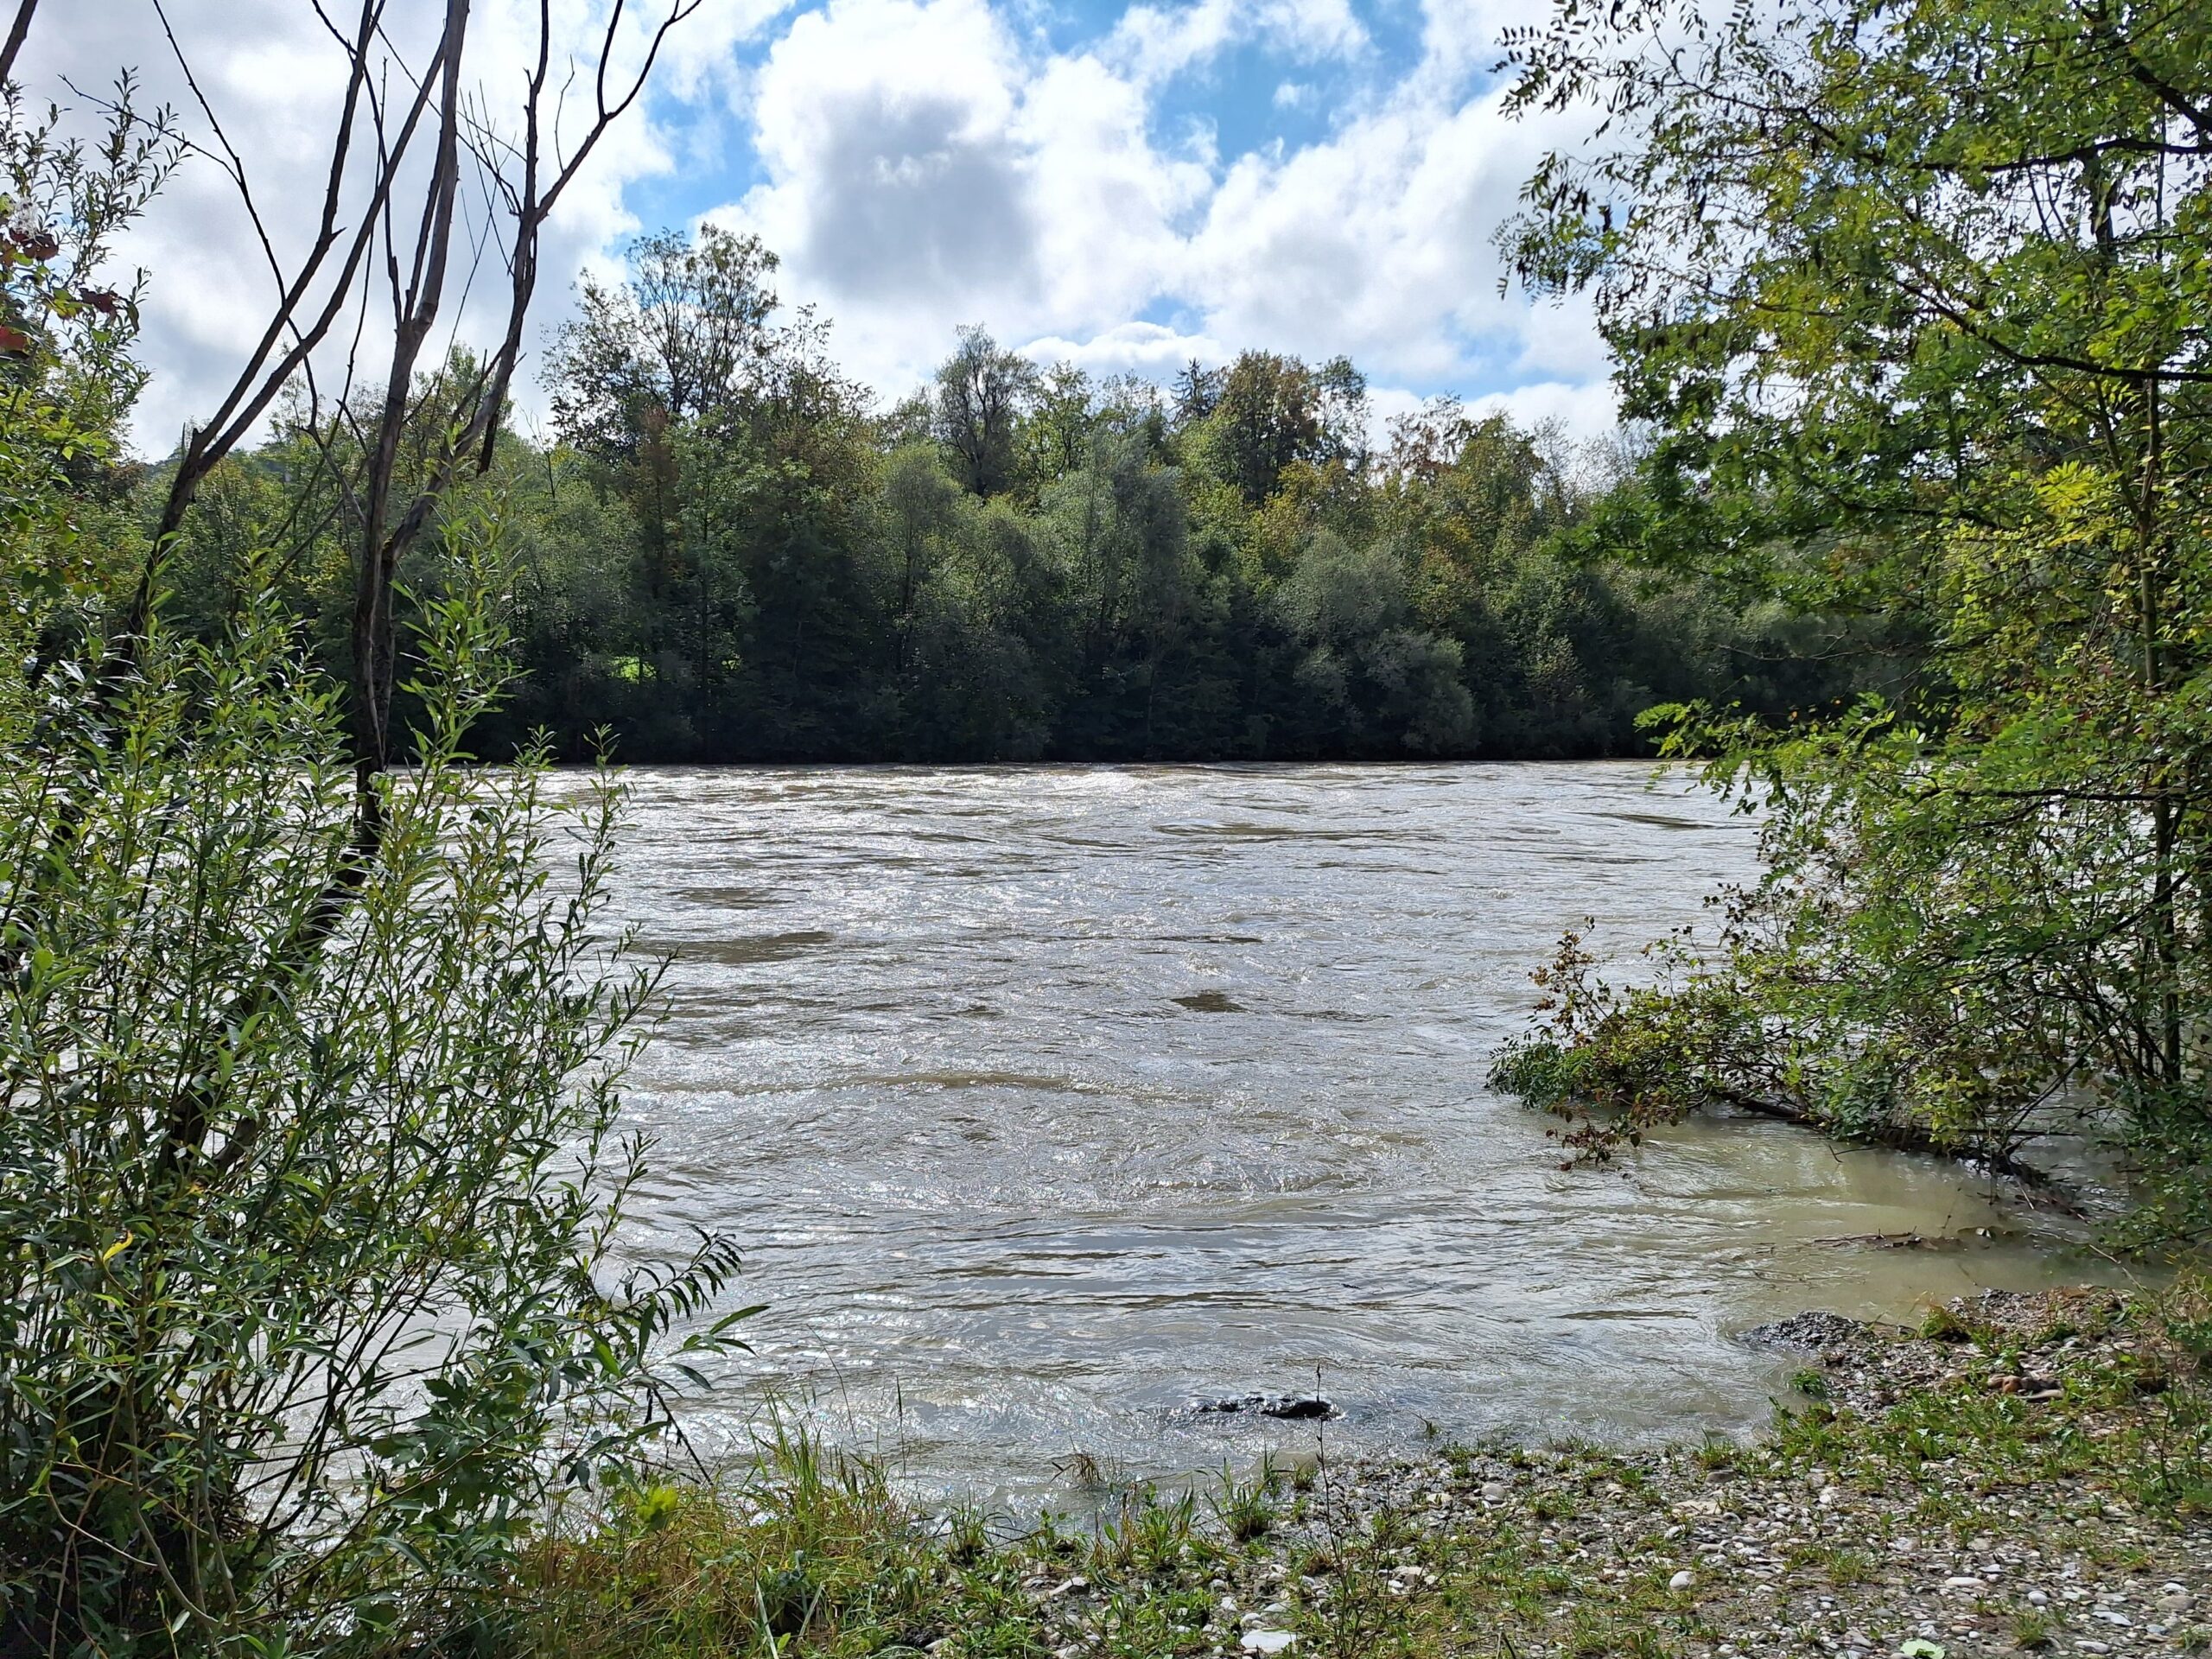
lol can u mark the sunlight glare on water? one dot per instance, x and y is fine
(1045, 1100)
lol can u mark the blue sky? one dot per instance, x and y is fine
(1124, 186)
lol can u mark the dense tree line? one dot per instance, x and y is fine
(728, 554)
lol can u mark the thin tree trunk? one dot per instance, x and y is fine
(16, 31)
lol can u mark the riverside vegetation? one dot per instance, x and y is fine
(2024, 1474)
(728, 555)
(311, 1336)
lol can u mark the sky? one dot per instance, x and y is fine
(1125, 186)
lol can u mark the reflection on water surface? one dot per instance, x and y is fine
(1045, 1100)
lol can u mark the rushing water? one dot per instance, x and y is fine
(1045, 1100)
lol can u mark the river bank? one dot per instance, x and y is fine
(2024, 1473)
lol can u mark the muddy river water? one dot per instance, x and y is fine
(1045, 1100)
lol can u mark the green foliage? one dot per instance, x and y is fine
(67, 375)
(312, 1174)
(310, 1194)
(686, 338)
(1915, 302)
(1246, 1508)
(728, 556)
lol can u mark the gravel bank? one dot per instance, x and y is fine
(2027, 1474)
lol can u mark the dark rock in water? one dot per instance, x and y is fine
(1297, 1407)
(1810, 1331)
(1209, 1002)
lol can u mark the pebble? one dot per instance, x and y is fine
(1740, 1538)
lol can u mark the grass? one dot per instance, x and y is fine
(2033, 1629)
(806, 1553)
(1246, 1508)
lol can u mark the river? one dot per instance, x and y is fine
(1046, 1100)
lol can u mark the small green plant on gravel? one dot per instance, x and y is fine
(1247, 1510)
(803, 1539)
(1716, 1454)
(1813, 1385)
(1942, 1323)
(1164, 1531)
(1049, 1539)
(1815, 1434)
(1359, 1620)
(1552, 1505)
(2033, 1628)
(1594, 1633)
(1845, 1567)
(967, 1535)
(1391, 1527)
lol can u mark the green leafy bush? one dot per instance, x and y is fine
(311, 1182)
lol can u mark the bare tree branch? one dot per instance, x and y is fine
(16, 31)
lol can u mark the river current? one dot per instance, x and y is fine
(1045, 1100)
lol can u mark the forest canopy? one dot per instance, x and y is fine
(727, 551)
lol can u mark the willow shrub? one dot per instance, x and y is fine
(311, 1175)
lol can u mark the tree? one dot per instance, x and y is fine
(686, 335)
(1056, 436)
(982, 392)
(311, 1174)
(1196, 390)
(1917, 302)
(1394, 688)
(917, 501)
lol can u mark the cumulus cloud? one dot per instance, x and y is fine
(1582, 407)
(919, 164)
(928, 165)
(1150, 349)
(272, 80)
(1377, 241)
(1153, 42)
(926, 169)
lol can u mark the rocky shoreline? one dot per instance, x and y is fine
(1990, 1484)
(2023, 1474)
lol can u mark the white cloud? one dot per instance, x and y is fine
(1153, 42)
(1585, 410)
(926, 167)
(919, 164)
(1150, 349)
(273, 78)
(1378, 241)
(925, 171)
